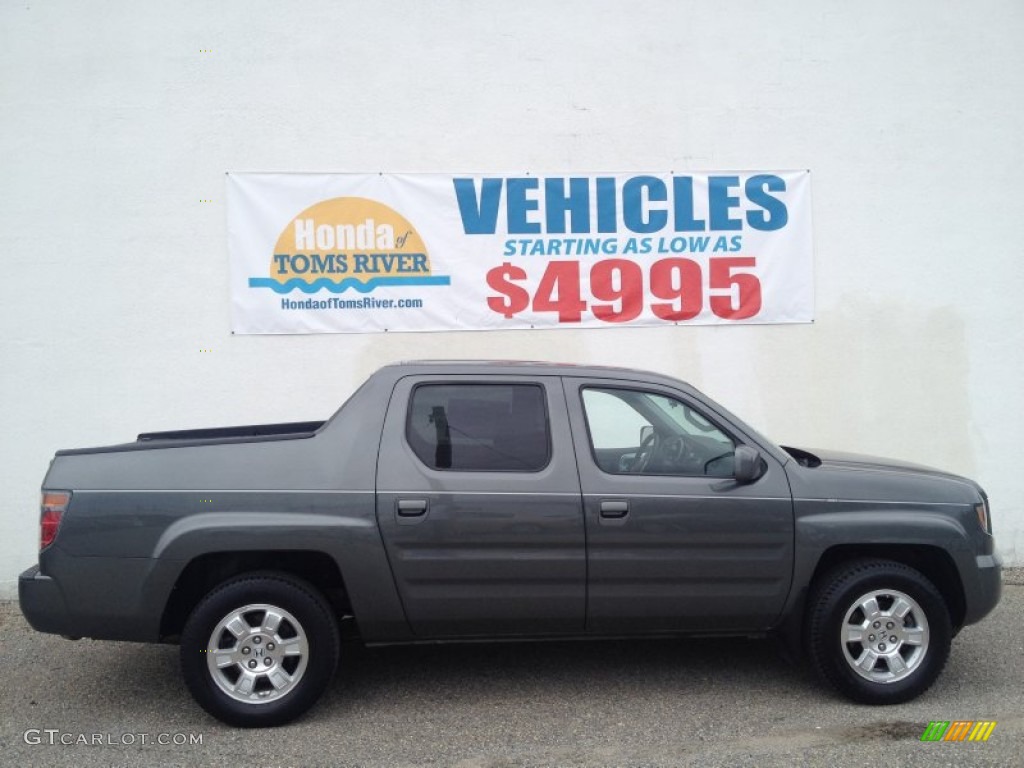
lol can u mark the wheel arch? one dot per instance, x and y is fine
(206, 571)
(935, 563)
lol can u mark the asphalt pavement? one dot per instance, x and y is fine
(652, 703)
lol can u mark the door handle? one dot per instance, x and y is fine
(614, 509)
(412, 507)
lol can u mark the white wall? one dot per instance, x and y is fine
(114, 125)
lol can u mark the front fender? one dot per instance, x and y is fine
(876, 529)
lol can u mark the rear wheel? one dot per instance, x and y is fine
(259, 650)
(878, 631)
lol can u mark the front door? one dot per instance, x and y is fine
(674, 542)
(478, 501)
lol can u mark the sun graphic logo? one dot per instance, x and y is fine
(348, 242)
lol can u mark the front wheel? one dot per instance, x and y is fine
(878, 631)
(259, 650)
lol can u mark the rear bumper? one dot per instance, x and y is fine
(105, 598)
(42, 603)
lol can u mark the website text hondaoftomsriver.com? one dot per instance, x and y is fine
(367, 302)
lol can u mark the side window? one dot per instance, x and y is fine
(614, 424)
(493, 427)
(637, 432)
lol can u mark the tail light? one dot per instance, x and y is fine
(55, 503)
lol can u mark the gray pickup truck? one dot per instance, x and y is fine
(461, 501)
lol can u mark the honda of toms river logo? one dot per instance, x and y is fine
(348, 242)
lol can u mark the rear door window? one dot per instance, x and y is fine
(479, 427)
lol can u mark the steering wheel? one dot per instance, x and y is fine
(648, 447)
(674, 450)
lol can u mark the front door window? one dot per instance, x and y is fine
(637, 432)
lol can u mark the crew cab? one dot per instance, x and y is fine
(460, 501)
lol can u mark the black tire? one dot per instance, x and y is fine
(920, 639)
(287, 677)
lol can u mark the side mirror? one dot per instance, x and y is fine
(645, 433)
(747, 464)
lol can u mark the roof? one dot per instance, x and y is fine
(533, 368)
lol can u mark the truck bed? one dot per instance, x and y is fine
(185, 437)
(250, 430)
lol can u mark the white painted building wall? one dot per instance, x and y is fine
(115, 124)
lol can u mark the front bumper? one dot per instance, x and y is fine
(43, 603)
(987, 587)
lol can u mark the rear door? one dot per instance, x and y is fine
(479, 505)
(674, 542)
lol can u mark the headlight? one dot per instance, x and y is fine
(983, 519)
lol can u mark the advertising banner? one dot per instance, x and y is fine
(363, 253)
